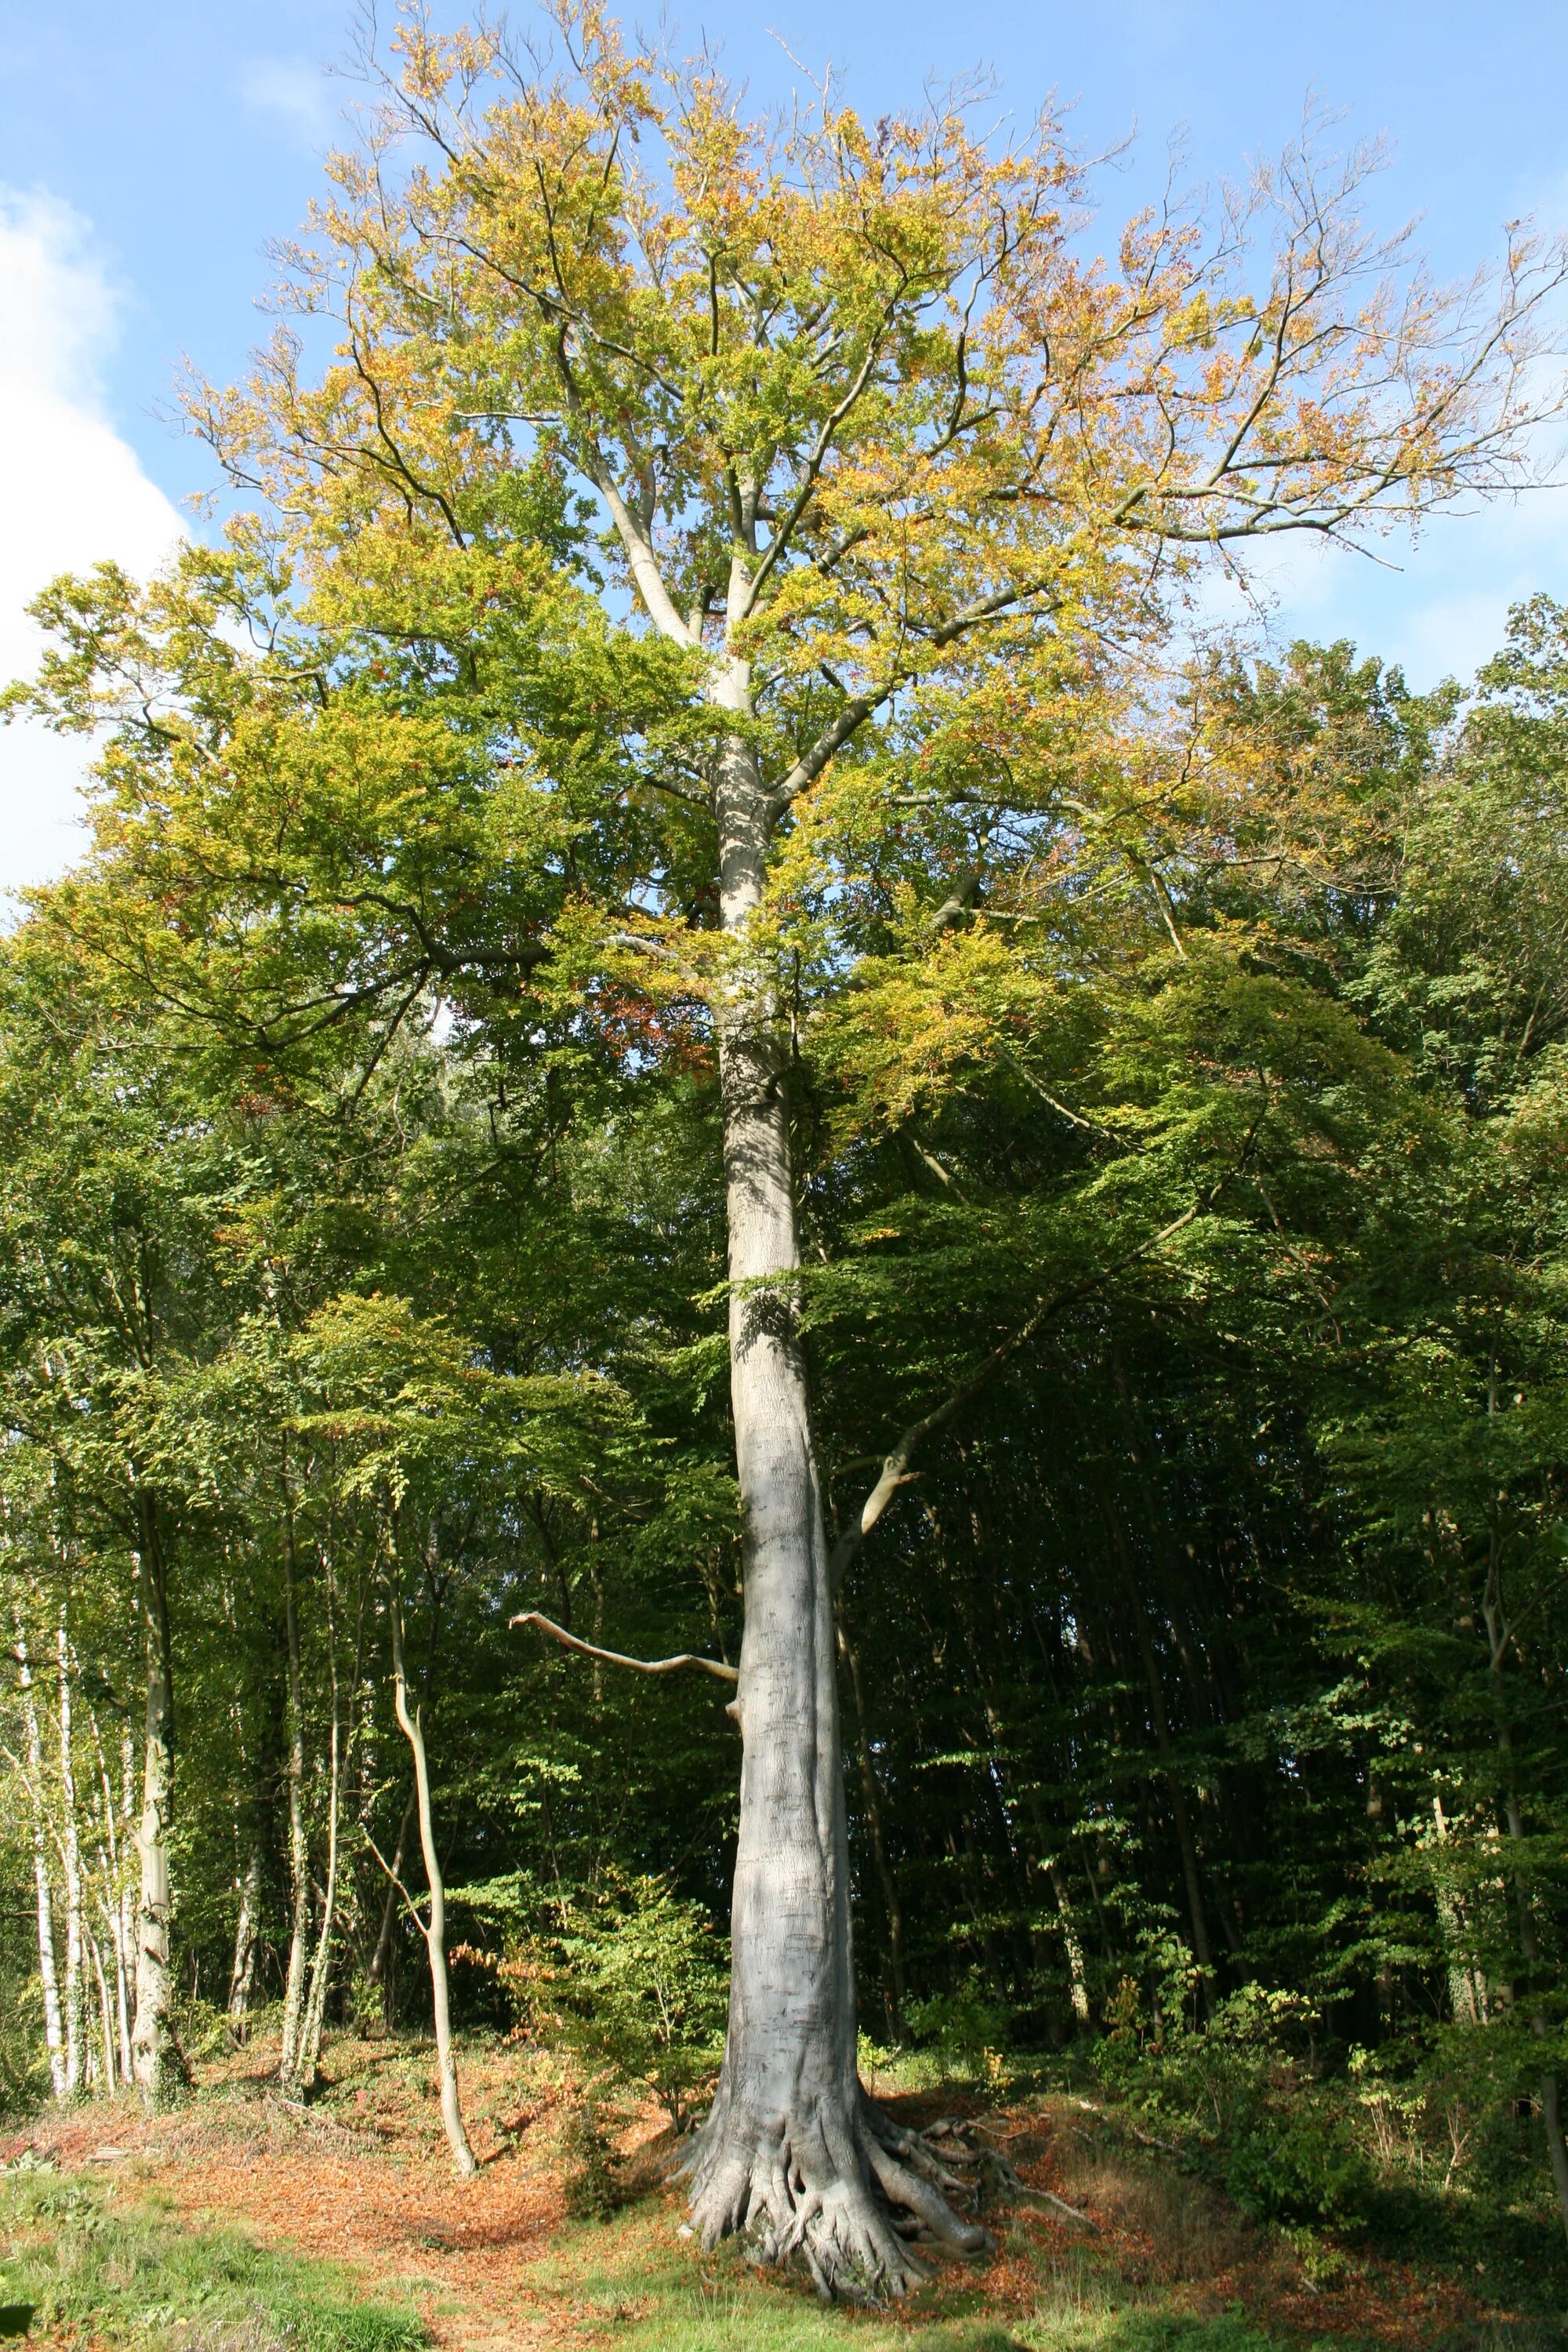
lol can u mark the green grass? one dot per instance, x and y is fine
(621, 2282)
(80, 2257)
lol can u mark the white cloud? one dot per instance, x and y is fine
(75, 493)
(296, 92)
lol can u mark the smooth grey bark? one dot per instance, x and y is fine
(434, 1929)
(289, 2062)
(116, 1891)
(793, 2150)
(152, 2043)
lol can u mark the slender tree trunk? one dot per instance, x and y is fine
(246, 1851)
(70, 1856)
(1466, 1987)
(125, 1932)
(792, 2150)
(112, 1898)
(106, 2015)
(114, 1921)
(1078, 1982)
(242, 1975)
(151, 2044)
(54, 2031)
(299, 1847)
(320, 1969)
(411, 1724)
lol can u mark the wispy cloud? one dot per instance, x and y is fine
(75, 493)
(296, 92)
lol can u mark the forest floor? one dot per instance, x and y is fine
(242, 2222)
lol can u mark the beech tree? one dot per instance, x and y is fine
(692, 503)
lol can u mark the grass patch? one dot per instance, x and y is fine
(623, 2281)
(79, 2259)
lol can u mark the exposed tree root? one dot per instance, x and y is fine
(846, 2194)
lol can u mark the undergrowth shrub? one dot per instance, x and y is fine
(966, 2030)
(1251, 2108)
(593, 2188)
(626, 1976)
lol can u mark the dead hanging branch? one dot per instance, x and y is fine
(617, 1658)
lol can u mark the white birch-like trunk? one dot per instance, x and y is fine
(793, 2150)
(434, 1929)
(242, 1975)
(151, 2041)
(125, 1926)
(111, 1901)
(114, 1921)
(48, 1977)
(299, 1849)
(70, 1856)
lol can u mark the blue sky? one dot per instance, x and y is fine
(149, 148)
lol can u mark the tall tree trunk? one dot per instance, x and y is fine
(299, 1845)
(410, 1723)
(792, 2149)
(54, 2031)
(153, 2051)
(71, 1857)
(125, 1937)
(112, 1899)
(246, 1926)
